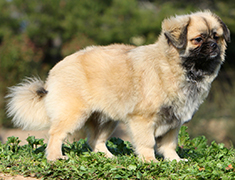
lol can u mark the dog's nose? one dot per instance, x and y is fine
(213, 45)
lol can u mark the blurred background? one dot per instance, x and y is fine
(35, 35)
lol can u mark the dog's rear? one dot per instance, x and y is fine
(67, 102)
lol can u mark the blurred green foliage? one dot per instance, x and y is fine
(34, 35)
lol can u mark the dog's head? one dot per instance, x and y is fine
(200, 39)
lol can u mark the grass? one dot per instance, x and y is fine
(212, 161)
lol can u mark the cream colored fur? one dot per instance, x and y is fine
(96, 87)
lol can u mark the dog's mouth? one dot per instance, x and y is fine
(214, 50)
(201, 62)
(213, 55)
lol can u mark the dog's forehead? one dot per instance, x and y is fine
(204, 24)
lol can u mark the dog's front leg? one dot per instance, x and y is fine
(167, 144)
(142, 133)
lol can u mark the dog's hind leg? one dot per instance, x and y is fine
(99, 128)
(62, 125)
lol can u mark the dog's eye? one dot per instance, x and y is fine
(197, 41)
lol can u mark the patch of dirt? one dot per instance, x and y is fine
(219, 130)
(4, 133)
(16, 177)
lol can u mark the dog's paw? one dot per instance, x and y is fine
(148, 159)
(54, 158)
(186, 160)
(177, 159)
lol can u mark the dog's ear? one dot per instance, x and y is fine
(226, 32)
(175, 29)
(225, 28)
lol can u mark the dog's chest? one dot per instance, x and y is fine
(193, 94)
(182, 109)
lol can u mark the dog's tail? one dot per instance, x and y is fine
(26, 105)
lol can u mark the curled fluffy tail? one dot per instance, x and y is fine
(26, 105)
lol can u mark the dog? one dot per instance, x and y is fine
(154, 89)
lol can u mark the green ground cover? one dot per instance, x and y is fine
(206, 161)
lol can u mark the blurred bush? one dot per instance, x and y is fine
(19, 58)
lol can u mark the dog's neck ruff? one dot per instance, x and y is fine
(198, 68)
